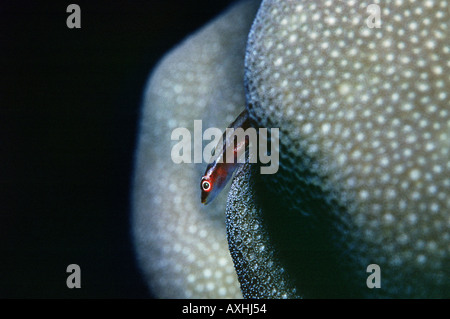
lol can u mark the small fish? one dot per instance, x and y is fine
(218, 172)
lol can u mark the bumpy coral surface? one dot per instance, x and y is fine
(181, 244)
(364, 115)
(363, 110)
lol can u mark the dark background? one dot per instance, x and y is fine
(69, 113)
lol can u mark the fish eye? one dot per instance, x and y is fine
(206, 186)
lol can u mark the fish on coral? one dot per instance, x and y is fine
(364, 177)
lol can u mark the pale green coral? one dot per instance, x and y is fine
(364, 124)
(181, 244)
